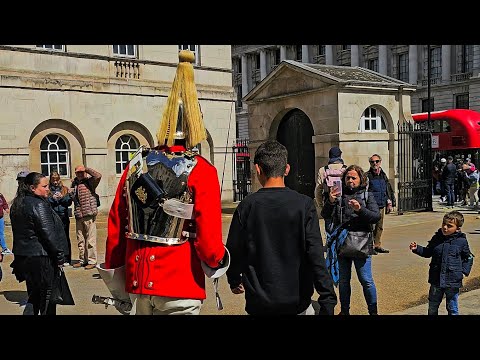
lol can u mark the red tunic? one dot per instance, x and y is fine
(173, 271)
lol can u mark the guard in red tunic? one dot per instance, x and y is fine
(165, 225)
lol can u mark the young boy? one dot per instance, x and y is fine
(451, 259)
(275, 245)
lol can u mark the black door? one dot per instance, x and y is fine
(295, 133)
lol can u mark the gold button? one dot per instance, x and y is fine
(137, 257)
(135, 283)
(152, 257)
(150, 284)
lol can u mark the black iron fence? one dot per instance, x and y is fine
(242, 182)
(414, 167)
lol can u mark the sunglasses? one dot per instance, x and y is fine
(375, 161)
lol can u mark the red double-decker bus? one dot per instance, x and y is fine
(456, 132)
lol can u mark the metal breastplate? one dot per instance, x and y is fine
(158, 197)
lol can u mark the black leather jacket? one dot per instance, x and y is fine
(38, 230)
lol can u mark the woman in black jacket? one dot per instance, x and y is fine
(60, 200)
(39, 242)
(357, 210)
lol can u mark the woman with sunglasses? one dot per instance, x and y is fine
(355, 209)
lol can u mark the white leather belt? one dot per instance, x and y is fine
(162, 240)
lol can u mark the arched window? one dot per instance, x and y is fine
(54, 155)
(372, 120)
(125, 146)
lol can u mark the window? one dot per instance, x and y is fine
(466, 58)
(298, 52)
(256, 61)
(372, 64)
(192, 48)
(54, 155)
(125, 50)
(402, 70)
(321, 49)
(276, 58)
(425, 105)
(372, 120)
(238, 66)
(461, 101)
(346, 47)
(239, 96)
(436, 63)
(52, 47)
(125, 146)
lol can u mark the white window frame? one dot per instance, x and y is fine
(368, 118)
(51, 47)
(116, 51)
(125, 151)
(192, 48)
(53, 147)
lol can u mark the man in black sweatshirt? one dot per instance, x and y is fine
(275, 245)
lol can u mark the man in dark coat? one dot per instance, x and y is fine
(381, 188)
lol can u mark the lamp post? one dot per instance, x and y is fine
(430, 129)
(429, 70)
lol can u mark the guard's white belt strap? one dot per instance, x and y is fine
(156, 239)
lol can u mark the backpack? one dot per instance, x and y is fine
(87, 184)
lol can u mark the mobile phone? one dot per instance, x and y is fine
(338, 186)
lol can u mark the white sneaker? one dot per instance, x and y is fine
(7, 251)
(66, 264)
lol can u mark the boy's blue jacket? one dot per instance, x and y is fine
(451, 259)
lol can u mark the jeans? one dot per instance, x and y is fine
(3, 244)
(435, 296)
(363, 268)
(450, 194)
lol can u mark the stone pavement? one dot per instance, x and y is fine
(400, 276)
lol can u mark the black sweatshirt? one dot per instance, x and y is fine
(276, 251)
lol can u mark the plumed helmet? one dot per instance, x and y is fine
(182, 117)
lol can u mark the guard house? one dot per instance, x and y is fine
(310, 108)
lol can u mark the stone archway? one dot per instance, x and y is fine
(295, 133)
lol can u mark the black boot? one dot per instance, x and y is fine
(372, 309)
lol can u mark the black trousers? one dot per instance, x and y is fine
(39, 273)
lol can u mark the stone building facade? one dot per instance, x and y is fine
(63, 105)
(311, 108)
(454, 73)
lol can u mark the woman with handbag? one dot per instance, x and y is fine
(351, 207)
(39, 242)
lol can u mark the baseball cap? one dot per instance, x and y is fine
(22, 174)
(443, 160)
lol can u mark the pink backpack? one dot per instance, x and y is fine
(331, 175)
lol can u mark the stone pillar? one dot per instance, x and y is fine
(413, 64)
(305, 54)
(329, 55)
(354, 52)
(382, 59)
(283, 52)
(263, 64)
(446, 63)
(476, 60)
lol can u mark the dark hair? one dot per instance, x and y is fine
(360, 172)
(23, 189)
(272, 157)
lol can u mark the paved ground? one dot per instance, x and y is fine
(400, 277)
